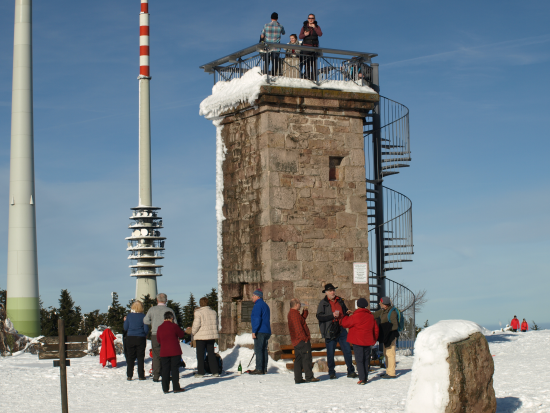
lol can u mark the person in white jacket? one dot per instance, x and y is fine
(205, 333)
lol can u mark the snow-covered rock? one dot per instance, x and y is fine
(428, 391)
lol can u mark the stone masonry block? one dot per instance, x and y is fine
(345, 219)
(281, 197)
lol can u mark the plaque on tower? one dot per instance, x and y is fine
(360, 272)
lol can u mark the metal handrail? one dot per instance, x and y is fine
(267, 47)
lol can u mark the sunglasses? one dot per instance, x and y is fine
(311, 18)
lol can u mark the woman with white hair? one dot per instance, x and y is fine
(136, 340)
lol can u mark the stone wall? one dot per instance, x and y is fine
(289, 229)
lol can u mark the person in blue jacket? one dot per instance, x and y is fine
(261, 331)
(136, 340)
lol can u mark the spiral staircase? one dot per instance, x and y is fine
(387, 152)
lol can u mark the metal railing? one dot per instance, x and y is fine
(403, 299)
(316, 64)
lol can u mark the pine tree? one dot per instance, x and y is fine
(189, 311)
(534, 326)
(115, 315)
(426, 324)
(48, 321)
(3, 294)
(92, 320)
(71, 314)
(213, 299)
(177, 310)
(148, 302)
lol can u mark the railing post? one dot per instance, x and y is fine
(379, 194)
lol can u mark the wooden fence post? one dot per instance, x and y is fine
(63, 366)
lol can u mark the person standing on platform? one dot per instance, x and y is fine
(301, 340)
(363, 333)
(271, 33)
(136, 340)
(331, 309)
(309, 34)
(514, 324)
(154, 318)
(389, 332)
(261, 331)
(168, 336)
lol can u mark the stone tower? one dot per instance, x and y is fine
(294, 202)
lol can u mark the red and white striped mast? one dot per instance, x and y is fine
(145, 244)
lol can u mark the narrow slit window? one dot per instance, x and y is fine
(334, 167)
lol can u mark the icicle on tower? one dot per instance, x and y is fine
(146, 246)
(22, 298)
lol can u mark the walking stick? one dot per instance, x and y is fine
(250, 361)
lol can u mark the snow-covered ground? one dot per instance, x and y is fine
(521, 380)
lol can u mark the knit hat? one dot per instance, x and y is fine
(258, 293)
(274, 16)
(385, 301)
(362, 303)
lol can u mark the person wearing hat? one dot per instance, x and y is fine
(261, 331)
(363, 333)
(330, 310)
(514, 324)
(271, 33)
(388, 334)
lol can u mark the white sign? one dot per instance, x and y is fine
(360, 273)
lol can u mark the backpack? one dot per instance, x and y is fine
(400, 319)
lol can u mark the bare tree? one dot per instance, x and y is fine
(420, 300)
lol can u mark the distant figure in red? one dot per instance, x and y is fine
(514, 324)
(524, 326)
(108, 353)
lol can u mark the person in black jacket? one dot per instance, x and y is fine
(310, 34)
(331, 309)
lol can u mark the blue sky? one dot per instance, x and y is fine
(473, 74)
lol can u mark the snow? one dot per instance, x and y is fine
(220, 157)
(428, 391)
(244, 339)
(228, 95)
(29, 385)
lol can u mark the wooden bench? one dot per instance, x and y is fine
(317, 350)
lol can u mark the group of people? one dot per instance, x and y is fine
(516, 326)
(309, 36)
(165, 341)
(334, 318)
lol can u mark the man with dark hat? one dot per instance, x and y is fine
(389, 325)
(331, 309)
(271, 33)
(261, 331)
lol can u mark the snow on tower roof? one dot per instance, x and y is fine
(228, 95)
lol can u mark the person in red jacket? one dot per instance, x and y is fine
(301, 340)
(524, 326)
(168, 335)
(514, 324)
(363, 333)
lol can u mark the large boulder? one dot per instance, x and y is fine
(471, 371)
(452, 370)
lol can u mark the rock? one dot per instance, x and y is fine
(471, 371)
(320, 366)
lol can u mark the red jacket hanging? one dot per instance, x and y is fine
(524, 326)
(108, 352)
(363, 330)
(514, 323)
